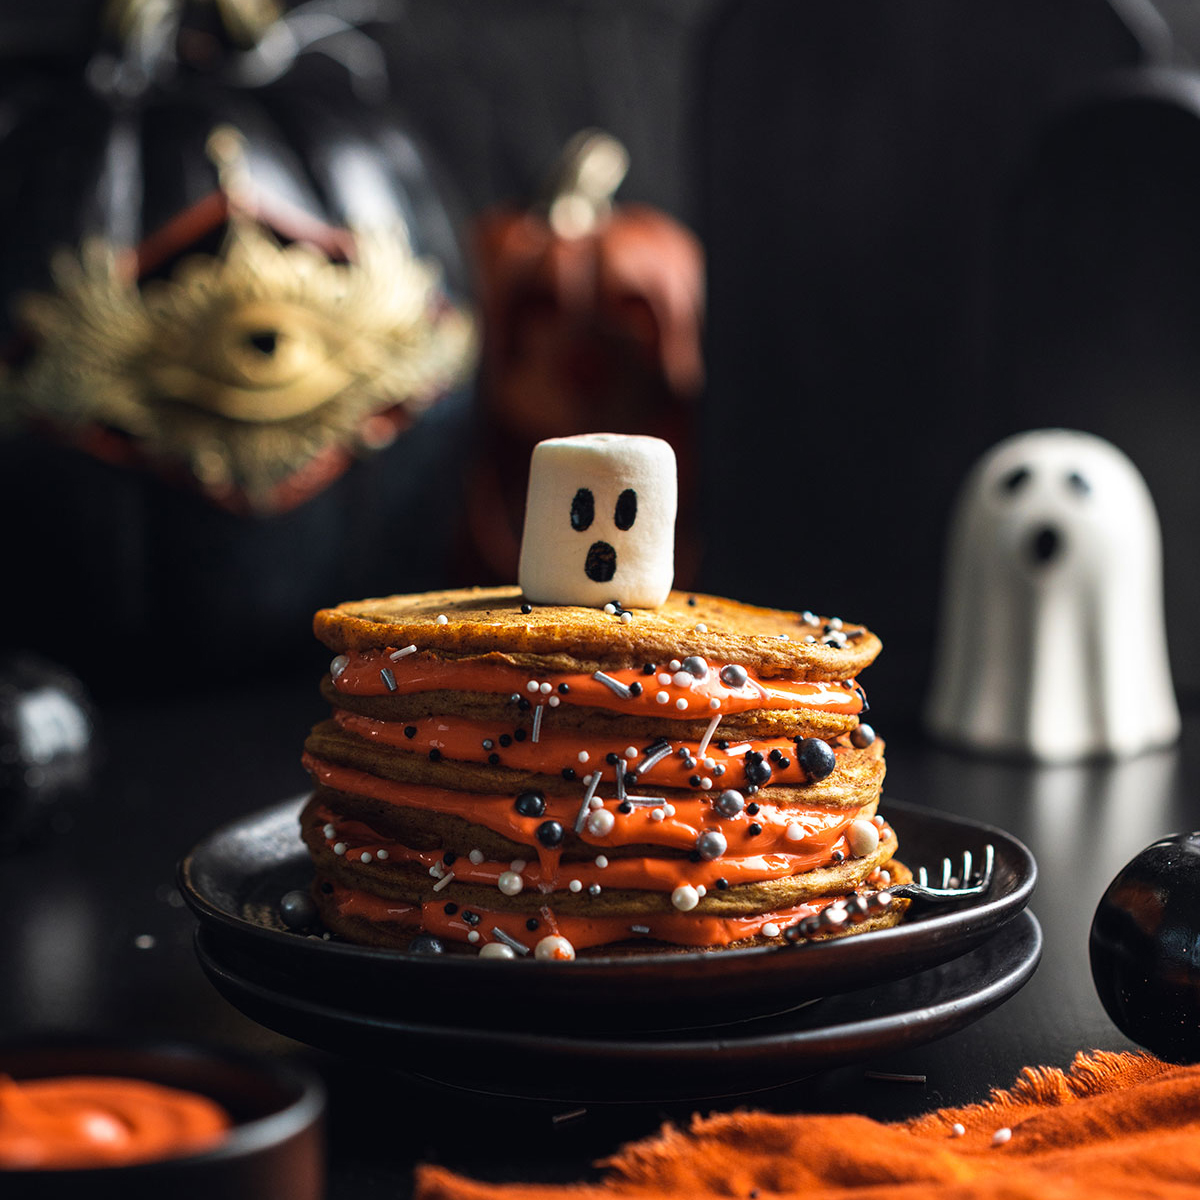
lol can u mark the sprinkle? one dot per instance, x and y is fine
(610, 608)
(783, 637)
(701, 628)
(892, 1077)
(614, 685)
(397, 655)
(366, 856)
(714, 703)
(389, 680)
(653, 758)
(626, 617)
(532, 686)
(330, 832)
(669, 809)
(658, 815)
(681, 703)
(601, 861)
(495, 950)
(619, 767)
(593, 784)
(664, 679)
(594, 889)
(685, 897)
(795, 832)
(382, 855)
(510, 883)
(639, 929)
(662, 697)
(682, 679)
(473, 936)
(706, 785)
(537, 720)
(510, 941)
(644, 801)
(338, 665)
(144, 941)
(554, 702)
(476, 857)
(958, 1130)
(809, 618)
(517, 864)
(575, 886)
(339, 848)
(708, 733)
(583, 756)
(770, 929)
(674, 665)
(1001, 1136)
(442, 619)
(545, 689)
(444, 881)
(556, 948)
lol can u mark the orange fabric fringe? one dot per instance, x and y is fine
(1113, 1125)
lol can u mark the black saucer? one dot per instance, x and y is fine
(234, 878)
(586, 1066)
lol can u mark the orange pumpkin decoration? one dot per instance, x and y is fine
(592, 320)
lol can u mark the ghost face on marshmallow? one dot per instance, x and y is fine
(1051, 642)
(600, 521)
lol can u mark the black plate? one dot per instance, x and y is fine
(234, 878)
(586, 1067)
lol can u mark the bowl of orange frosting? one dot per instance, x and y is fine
(154, 1120)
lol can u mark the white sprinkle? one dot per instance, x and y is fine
(437, 870)
(476, 857)
(674, 664)
(496, 950)
(575, 885)
(442, 619)
(639, 929)
(834, 622)
(586, 780)
(685, 897)
(683, 679)
(583, 756)
(339, 848)
(517, 864)
(144, 941)
(338, 665)
(664, 679)
(681, 703)
(701, 628)
(783, 637)
(330, 832)
(554, 701)
(382, 855)
(714, 703)
(1001, 1136)
(626, 617)
(706, 785)
(595, 802)
(877, 820)
(610, 608)
(510, 883)
(810, 638)
(701, 890)
(662, 697)
(795, 832)
(545, 689)
(444, 881)
(770, 929)
(601, 861)
(862, 838)
(709, 762)
(365, 856)
(397, 655)
(958, 1130)
(601, 822)
(657, 814)
(708, 733)
(555, 948)
(532, 686)
(473, 937)
(669, 810)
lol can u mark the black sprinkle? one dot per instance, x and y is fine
(526, 609)
(519, 735)
(694, 780)
(775, 756)
(563, 688)
(435, 755)
(488, 743)
(568, 773)
(752, 809)
(523, 704)
(635, 688)
(471, 918)
(612, 759)
(505, 740)
(691, 602)
(449, 858)
(450, 909)
(625, 807)
(327, 888)
(532, 924)
(722, 885)
(493, 760)
(648, 668)
(838, 856)
(784, 763)
(410, 731)
(722, 744)
(755, 829)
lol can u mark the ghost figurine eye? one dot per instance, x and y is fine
(1078, 484)
(626, 510)
(1013, 481)
(583, 510)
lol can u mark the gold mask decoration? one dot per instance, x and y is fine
(262, 368)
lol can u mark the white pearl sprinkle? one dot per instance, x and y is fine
(701, 628)
(674, 664)
(862, 837)
(834, 622)
(442, 619)
(517, 864)
(877, 820)
(709, 762)
(714, 704)
(701, 890)
(657, 814)
(510, 883)
(554, 948)
(662, 697)
(681, 703)
(473, 937)
(706, 785)
(794, 832)
(596, 802)
(685, 897)
(476, 857)
(545, 689)
(583, 756)
(1001, 1136)
(958, 1130)
(601, 822)
(610, 609)
(626, 617)
(663, 678)
(366, 856)
(329, 832)
(669, 810)
(683, 679)
(601, 861)
(575, 885)
(631, 752)
(554, 702)
(770, 929)
(496, 950)
(338, 665)
(532, 686)
(382, 855)
(339, 848)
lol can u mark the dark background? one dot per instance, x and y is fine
(928, 225)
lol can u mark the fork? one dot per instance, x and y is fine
(858, 908)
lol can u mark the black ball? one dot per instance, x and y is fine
(758, 771)
(530, 804)
(297, 910)
(816, 757)
(423, 943)
(550, 834)
(1142, 946)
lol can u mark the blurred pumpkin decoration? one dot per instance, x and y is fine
(592, 315)
(230, 266)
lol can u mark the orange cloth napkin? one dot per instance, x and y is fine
(1124, 1125)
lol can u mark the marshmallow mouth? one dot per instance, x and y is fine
(601, 564)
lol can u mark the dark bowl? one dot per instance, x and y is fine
(275, 1150)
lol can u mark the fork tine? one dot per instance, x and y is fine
(946, 869)
(923, 877)
(968, 862)
(989, 861)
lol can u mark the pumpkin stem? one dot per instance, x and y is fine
(585, 178)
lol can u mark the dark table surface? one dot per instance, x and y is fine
(98, 939)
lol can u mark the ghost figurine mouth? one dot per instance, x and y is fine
(1045, 546)
(601, 564)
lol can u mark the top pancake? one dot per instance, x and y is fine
(572, 638)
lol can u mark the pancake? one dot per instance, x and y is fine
(534, 777)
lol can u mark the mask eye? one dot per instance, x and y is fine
(1078, 484)
(626, 511)
(583, 509)
(1015, 480)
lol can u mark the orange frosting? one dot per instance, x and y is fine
(98, 1121)
(690, 700)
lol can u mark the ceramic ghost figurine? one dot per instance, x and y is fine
(600, 521)
(1052, 642)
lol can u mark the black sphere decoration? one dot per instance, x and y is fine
(1143, 948)
(297, 910)
(423, 943)
(758, 770)
(816, 757)
(550, 834)
(530, 804)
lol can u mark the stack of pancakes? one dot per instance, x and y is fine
(552, 779)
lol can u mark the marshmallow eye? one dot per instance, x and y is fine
(1078, 485)
(1015, 480)
(583, 510)
(626, 511)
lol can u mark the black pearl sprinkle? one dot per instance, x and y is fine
(691, 602)
(838, 856)
(532, 924)
(550, 834)
(816, 758)
(410, 731)
(526, 609)
(722, 744)
(775, 756)
(635, 688)
(694, 780)
(327, 889)
(297, 910)
(505, 739)
(758, 772)
(435, 755)
(784, 762)
(450, 909)
(563, 688)
(861, 736)
(568, 773)
(530, 804)
(754, 829)
(471, 918)
(648, 668)
(612, 759)
(722, 885)
(494, 760)
(519, 735)
(624, 807)
(449, 858)
(523, 704)
(752, 809)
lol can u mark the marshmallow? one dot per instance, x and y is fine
(600, 521)
(1052, 642)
